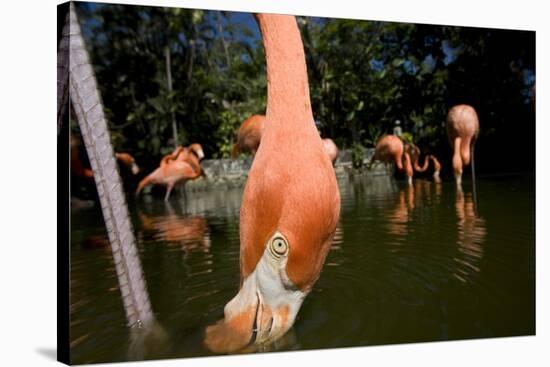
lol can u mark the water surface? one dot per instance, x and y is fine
(408, 264)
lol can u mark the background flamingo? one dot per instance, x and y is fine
(193, 154)
(125, 160)
(170, 172)
(331, 149)
(462, 131)
(249, 136)
(290, 205)
(128, 161)
(391, 149)
(414, 153)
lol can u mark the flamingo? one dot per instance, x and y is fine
(414, 153)
(331, 149)
(249, 136)
(170, 172)
(287, 220)
(462, 131)
(391, 149)
(193, 154)
(128, 161)
(124, 159)
(194, 149)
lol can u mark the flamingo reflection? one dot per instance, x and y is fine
(422, 192)
(336, 259)
(399, 216)
(471, 235)
(191, 232)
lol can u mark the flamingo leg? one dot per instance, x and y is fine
(457, 161)
(408, 168)
(169, 188)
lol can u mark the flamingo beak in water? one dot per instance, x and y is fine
(135, 168)
(265, 307)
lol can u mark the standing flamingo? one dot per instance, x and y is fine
(414, 153)
(391, 149)
(462, 131)
(290, 205)
(331, 149)
(170, 172)
(249, 136)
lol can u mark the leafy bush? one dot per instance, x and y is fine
(357, 155)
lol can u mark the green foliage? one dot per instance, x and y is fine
(374, 134)
(363, 76)
(357, 155)
(407, 138)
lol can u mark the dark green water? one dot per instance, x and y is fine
(408, 265)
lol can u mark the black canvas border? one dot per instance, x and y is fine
(63, 220)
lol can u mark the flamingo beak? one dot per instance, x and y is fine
(264, 310)
(200, 154)
(135, 168)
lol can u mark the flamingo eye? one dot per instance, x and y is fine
(278, 246)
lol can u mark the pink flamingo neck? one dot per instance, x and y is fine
(399, 161)
(417, 166)
(465, 149)
(457, 157)
(287, 81)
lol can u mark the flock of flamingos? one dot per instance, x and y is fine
(183, 164)
(282, 245)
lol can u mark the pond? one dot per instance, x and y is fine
(408, 264)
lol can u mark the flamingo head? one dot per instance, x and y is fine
(128, 161)
(135, 168)
(287, 226)
(197, 149)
